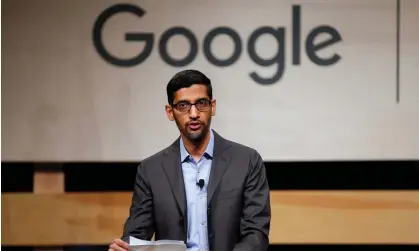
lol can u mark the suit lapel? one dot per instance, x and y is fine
(173, 169)
(219, 164)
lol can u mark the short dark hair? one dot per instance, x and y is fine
(185, 79)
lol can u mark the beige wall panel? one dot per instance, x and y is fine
(297, 217)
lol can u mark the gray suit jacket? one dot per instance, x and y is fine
(238, 199)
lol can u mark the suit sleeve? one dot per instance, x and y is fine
(140, 222)
(256, 214)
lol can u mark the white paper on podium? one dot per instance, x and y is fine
(160, 245)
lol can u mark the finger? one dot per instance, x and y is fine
(115, 247)
(121, 243)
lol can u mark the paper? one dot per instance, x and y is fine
(160, 245)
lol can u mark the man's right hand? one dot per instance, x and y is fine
(118, 245)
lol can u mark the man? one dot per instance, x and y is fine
(205, 190)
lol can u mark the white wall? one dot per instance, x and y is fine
(62, 101)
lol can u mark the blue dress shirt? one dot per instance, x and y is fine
(197, 239)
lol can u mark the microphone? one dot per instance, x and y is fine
(200, 183)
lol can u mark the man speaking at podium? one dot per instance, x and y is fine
(205, 190)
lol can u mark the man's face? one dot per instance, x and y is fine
(193, 121)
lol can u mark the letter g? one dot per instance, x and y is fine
(148, 38)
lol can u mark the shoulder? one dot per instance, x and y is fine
(157, 158)
(251, 154)
(241, 150)
(245, 159)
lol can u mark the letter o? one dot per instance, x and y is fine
(237, 46)
(193, 51)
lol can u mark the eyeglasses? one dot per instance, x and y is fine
(185, 106)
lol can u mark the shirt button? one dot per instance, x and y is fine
(202, 223)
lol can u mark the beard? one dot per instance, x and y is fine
(195, 137)
(198, 136)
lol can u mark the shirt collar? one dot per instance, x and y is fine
(184, 155)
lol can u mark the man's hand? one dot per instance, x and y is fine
(118, 245)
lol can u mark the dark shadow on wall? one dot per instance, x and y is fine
(331, 175)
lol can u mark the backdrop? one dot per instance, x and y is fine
(297, 80)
